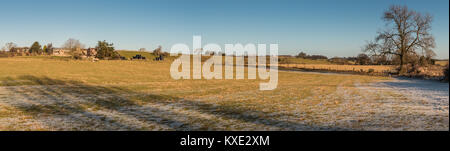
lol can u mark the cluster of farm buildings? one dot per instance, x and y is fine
(89, 52)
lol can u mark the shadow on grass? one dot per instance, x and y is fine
(76, 104)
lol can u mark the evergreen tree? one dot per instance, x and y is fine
(105, 50)
(35, 48)
(44, 49)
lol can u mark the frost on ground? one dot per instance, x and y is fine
(403, 104)
(398, 104)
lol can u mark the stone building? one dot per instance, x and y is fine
(20, 49)
(61, 52)
(91, 52)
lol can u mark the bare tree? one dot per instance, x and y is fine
(142, 49)
(429, 54)
(406, 32)
(158, 51)
(362, 59)
(50, 48)
(73, 44)
(9, 46)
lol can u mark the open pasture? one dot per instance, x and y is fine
(54, 94)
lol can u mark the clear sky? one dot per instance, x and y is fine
(328, 27)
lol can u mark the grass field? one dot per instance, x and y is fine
(325, 65)
(293, 60)
(342, 68)
(54, 94)
(442, 62)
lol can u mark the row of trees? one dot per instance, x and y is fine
(38, 49)
(314, 57)
(420, 60)
(104, 49)
(365, 59)
(35, 48)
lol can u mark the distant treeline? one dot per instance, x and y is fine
(364, 59)
(72, 47)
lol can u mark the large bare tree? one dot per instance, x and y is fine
(407, 32)
(72, 44)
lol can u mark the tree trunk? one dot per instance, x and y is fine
(402, 66)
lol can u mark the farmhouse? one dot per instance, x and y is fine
(67, 52)
(91, 52)
(20, 49)
(61, 52)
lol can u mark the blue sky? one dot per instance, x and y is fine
(329, 27)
